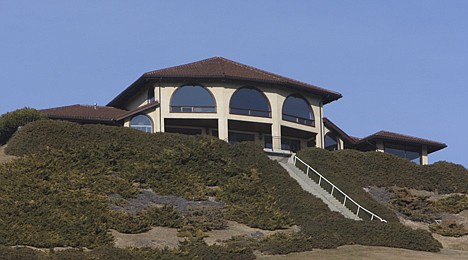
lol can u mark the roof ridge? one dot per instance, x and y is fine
(279, 77)
(177, 66)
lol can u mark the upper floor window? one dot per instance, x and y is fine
(193, 99)
(249, 101)
(142, 123)
(331, 143)
(297, 109)
(151, 94)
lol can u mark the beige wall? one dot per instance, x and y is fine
(222, 93)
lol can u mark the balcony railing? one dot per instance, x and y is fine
(193, 109)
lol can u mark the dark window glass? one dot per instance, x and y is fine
(151, 94)
(192, 99)
(290, 144)
(185, 131)
(268, 141)
(142, 123)
(408, 152)
(240, 137)
(296, 109)
(249, 101)
(311, 143)
(331, 143)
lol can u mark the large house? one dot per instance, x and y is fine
(235, 102)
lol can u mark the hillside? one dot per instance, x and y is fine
(73, 183)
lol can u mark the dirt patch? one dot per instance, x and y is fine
(4, 158)
(370, 252)
(237, 229)
(157, 237)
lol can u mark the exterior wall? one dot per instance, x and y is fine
(338, 139)
(222, 93)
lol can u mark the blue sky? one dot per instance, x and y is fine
(401, 66)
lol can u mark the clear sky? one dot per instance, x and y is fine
(401, 66)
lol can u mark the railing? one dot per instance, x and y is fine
(298, 119)
(249, 112)
(334, 188)
(193, 109)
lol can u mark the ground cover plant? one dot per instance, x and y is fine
(11, 121)
(366, 169)
(57, 193)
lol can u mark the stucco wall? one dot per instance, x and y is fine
(222, 93)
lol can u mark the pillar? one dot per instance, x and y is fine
(424, 158)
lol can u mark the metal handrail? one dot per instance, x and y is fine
(334, 187)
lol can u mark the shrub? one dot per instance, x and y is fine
(450, 229)
(57, 194)
(453, 204)
(10, 121)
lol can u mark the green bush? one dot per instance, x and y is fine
(350, 168)
(126, 222)
(57, 193)
(326, 228)
(453, 204)
(449, 229)
(9, 122)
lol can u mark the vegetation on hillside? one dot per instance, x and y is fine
(57, 192)
(351, 168)
(11, 121)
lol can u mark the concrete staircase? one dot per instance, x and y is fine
(313, 188)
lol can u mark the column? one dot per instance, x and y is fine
(424, 158)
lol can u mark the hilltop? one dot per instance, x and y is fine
(72, 184)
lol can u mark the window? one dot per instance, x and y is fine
(408, 152)
(292, 145)
(151, 94)
(192, 99)
(235, 138)
(331, 142)
(249, 101)
(185, 131)
(297, 109)
(142, 123)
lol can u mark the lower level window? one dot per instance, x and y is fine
(142, 123)
(408, 152)
(293, 145)
(185, 131)
(240, 137)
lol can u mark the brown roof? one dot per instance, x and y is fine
(91, 113)
(222, 68)
(432, 146)
(137, 110)
(330, 125)
(84, 112)
(368, 142)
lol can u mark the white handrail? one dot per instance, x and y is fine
(334, 187)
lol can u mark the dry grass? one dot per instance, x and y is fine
(4, 158)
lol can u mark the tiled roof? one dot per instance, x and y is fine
(402, 138)
(432, 146)
(222, 68)
(84, 112)
(330, 125)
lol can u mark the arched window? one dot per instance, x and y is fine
(331, 143)
(142, 123)
(192, 99)
(297, 109)
(249, 101)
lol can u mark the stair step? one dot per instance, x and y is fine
(313, 188)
